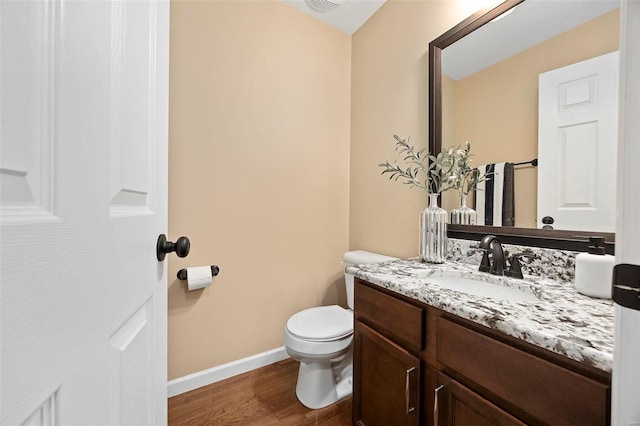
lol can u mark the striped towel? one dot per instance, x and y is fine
(494, 198)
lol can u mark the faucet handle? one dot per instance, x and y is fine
(476, 247)
(515, 267)
(485, 263)
(528, 255)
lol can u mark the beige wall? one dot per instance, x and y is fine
(389, 95)
(258, 173)
(497, 108)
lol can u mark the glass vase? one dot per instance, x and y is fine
(433, 232)
(463, 215)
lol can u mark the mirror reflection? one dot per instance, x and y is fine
(494, 97)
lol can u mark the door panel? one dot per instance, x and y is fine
(579, 160)
(131, 351)
(26, 157)
(459, 406)
(132, 102)
(386, 380)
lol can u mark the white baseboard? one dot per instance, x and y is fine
(224, 371)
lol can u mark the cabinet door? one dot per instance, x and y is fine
(457, 405)
(386, 381)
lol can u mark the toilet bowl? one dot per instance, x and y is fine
(320, 339)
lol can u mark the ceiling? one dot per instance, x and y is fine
(348, 17)
(531, 23)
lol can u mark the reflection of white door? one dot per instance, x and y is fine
(83, 172)
(577, 139)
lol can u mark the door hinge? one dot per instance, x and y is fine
(626, 285)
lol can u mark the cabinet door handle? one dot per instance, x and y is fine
(407, 390)
(435, 405)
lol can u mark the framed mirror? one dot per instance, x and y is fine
(470, 94)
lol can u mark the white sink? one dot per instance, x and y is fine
(482, 288)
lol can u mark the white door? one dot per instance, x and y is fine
(577, 138)
(83, 173)
(625, 404)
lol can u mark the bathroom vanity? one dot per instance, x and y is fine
(432, 351)
(428, 354)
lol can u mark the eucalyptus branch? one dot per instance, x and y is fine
(409, 175)
(438, 170)
(467, 178)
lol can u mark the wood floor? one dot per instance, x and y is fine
(266, 396)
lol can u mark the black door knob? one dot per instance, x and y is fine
(547, 220)
(181, 247)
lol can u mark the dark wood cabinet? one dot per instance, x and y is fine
(408, 355)
(551, 393)
(456, 405)
(386, 381)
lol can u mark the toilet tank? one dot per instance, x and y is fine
(355, 258)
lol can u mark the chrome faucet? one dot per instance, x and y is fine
(494, 264)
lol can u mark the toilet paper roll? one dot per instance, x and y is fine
(199, 277)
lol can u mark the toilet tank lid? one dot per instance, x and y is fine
(362, 256)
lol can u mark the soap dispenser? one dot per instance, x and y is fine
(594, 270)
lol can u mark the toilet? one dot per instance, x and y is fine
(320, 339)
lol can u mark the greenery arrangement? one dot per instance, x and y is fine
(449, 169)
(466, 178)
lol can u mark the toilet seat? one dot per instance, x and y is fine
(321, 324)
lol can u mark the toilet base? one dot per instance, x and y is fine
(317, 386)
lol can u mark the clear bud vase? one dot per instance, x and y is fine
(433, 232)
(463, 215)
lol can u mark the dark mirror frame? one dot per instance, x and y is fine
(556, 239)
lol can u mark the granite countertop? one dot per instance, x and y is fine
(561, 320)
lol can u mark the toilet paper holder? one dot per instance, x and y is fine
(182, 273)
